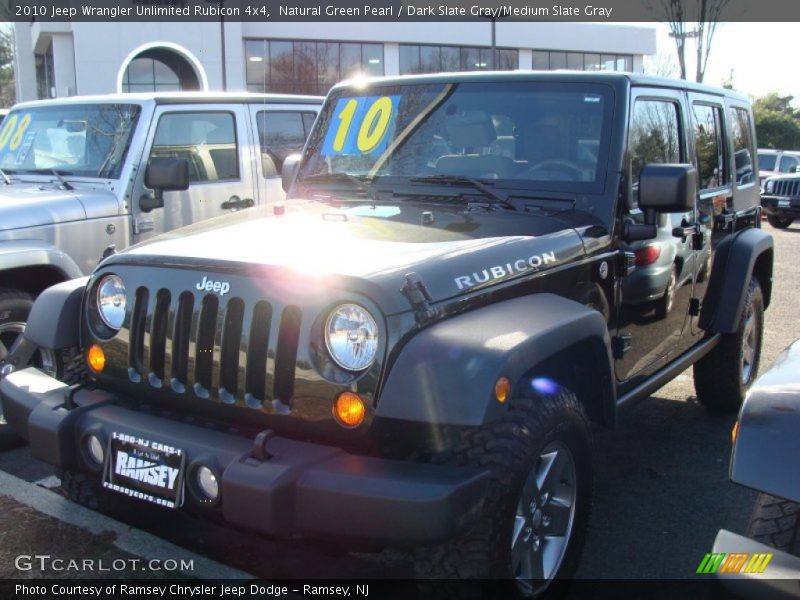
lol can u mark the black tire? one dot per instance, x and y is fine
(66, 365)
(723, 376)
(776, 522)
(665, 303)
(779, 222)
(511, 447)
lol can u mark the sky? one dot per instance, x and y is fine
(764, 57)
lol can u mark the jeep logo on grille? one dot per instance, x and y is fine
(219, 287)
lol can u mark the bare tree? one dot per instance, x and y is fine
(708, 13)
(704, 15)
(662, 64)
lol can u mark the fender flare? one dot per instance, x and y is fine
(446, 374)
(17, 254)
(737, 258)
(54, 321)
(768, 424)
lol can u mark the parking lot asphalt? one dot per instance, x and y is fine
(661, 490)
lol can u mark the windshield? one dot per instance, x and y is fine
(529, 134)
(86, 140)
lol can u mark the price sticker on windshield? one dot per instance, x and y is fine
(361, 126)
(12, 134)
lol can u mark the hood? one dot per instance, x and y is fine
(372, 248)
(35, 204)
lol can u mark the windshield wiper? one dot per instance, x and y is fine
(361, 183)
(5, 177)
(456, 180)
(57, 174)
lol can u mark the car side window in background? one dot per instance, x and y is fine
(206, 139)
(766, 162)
(655, 137)
(281, 133)
(708, 146)
(787, 162)
(743, 147)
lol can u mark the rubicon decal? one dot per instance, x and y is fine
(734, 562)
(533, 263)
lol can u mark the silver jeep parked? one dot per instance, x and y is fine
(80, 175)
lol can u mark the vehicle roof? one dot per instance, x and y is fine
(774, 151)
(183, 98)
(559, 75)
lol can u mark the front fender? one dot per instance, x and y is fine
(446, 374)
(56, 314)
(768, 443)
(18, 254)
(737, 258)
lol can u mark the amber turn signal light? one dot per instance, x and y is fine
(735, 432)
(96, 358)
(349, 409)
(502, 389)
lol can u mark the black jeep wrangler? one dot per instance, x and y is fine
(410, 351)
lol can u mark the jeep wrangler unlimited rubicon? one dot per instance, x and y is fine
(410, 353)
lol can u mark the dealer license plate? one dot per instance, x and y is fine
(784, 203)
(145, 469)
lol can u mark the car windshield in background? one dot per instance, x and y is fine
(535, 134)
(85, 140)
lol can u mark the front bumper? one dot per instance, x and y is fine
(277, 486)
(781, 206)
(778, 581)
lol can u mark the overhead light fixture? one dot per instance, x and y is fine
(256, 59)
(374, 61)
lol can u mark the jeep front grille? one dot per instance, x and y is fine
(787, 187)
(197, 343)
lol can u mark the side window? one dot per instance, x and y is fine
(766, 162)
(709, 146)
(743, 148)
(787, 162)
(654, 137)
(206, 139)
(281, 133)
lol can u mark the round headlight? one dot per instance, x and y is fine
(351, 335)
(769, 186)
(111, 301)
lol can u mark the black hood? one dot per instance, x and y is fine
(372, 248)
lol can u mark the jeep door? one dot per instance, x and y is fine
(654, 299)
(215, 140)
(280, 130)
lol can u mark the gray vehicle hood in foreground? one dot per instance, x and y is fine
(25, 205)
(768, 444)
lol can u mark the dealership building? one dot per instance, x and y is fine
(65, 59)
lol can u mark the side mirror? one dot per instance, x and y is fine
(665, 188)
(793, 169)
(291, 165)
(164, 174)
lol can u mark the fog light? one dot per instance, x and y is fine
(349, 409)
(96, 358)
(95, 449)
(207, 482)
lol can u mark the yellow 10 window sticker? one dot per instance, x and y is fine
(15, 138)
(361, 126)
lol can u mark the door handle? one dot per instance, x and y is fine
(234, 202)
